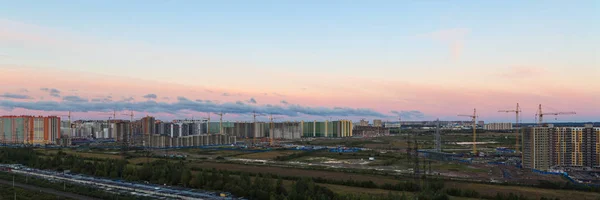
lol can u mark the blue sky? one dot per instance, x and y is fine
(356, 53)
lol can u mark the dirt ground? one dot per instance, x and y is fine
(297, 172)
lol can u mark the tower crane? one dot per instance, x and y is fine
(254, 114)
(540, 114)
(474, 119)
(68, 115)
(207, 123)
(114, 117)
(220, 122)
(517, 112)
(271, 129)
(130, 125)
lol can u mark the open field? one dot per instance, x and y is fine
(141, 160)
(269, 155)
(535, 193)
(295, 172)
(84, 154)
(484, 189)
(204, 152)
(425, 140)
(455, 167)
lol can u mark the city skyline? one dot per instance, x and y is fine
(304, 59)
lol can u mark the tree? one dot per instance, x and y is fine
(186, 175)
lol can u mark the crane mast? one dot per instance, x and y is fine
(271, 129)
(130, 126)
(220, 122)
(517, 112)
(474, 119)
(255, 127)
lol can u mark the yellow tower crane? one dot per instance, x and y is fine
(474, 119)
(220, 122)
(540, 114)
(70, 127)
(517, 112)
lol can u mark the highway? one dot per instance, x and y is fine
(48, 191)
(151, 191)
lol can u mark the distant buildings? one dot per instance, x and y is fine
(148, 126)
(377, 123)
(29, 130)
(341, 128)
(544, 147)
(364, 122)
(498, 126)
(392, 124)
(370, 131)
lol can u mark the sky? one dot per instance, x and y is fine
(311, 60)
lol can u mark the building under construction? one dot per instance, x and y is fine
(370, 131)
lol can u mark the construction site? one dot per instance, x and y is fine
(515, 155)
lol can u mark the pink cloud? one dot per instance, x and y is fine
(434, 100)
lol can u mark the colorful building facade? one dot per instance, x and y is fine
(29, 130)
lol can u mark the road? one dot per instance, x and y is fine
(49, 191)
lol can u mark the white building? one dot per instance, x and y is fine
(498, 126)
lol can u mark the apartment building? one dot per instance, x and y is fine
(536, 148)
(29, 130)
(341, 128)
(148, 126)
(544, 147)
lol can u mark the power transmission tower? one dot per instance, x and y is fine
(416, 152)
(438, 137)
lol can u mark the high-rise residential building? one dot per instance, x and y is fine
(175, 130)
(122, 131)
(29, 130)
(163, 128)
(590, 146)
(481, 123)
(340, 128)
(536, 148)
(544, 147)
(377, 123)
(566, 147)
(148, 125)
